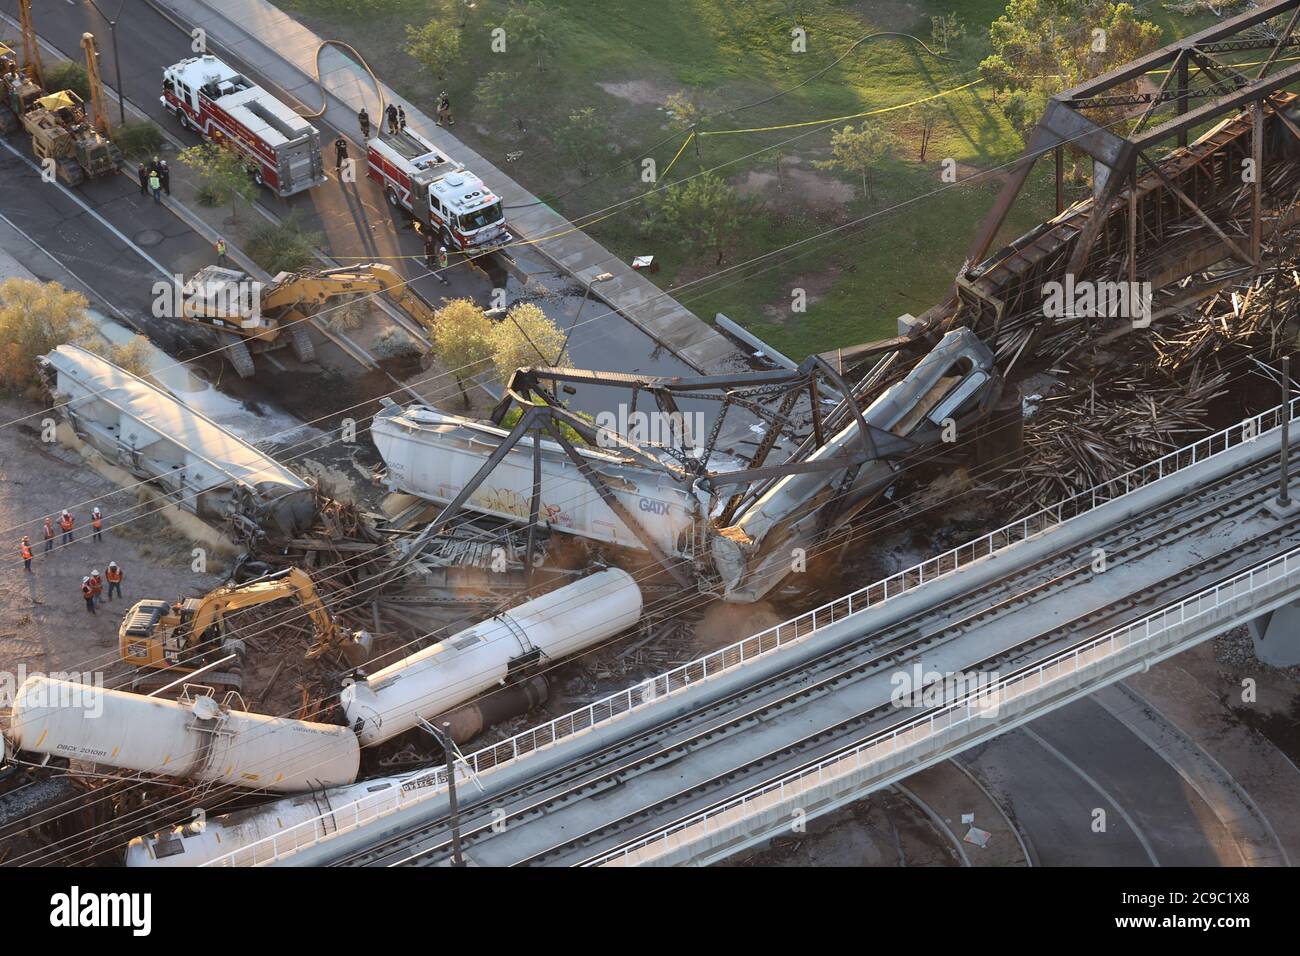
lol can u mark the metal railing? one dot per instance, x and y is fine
(905, 742)
(760, 645)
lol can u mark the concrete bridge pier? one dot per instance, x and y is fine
(1276, 635)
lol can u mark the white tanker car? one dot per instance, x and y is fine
(203, 840)
(203, 740)
(478, 658)
(193, 739)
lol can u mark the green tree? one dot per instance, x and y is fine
(526, 336)
(945, 29)
(222, 174)
(1041, 47)
(436, 45)
(584, 136)
(462, 340)
(501, 95)
(704, 212)
(531, 26)
(35, 318)
(682, 110)
(860, 151)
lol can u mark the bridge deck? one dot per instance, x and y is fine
(1187, 532)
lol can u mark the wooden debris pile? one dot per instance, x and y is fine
(1144, 394)
(1099, 430)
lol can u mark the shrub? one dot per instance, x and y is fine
(284, 246)
(68, 76)
(138, 140)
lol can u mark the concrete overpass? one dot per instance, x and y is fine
(726, 751)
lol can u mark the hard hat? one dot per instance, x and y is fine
(65, 511)
(112, 564)
(95, 573)
(96, 511)
(85, 580)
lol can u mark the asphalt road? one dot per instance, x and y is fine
(357, 223)
(1055, 773)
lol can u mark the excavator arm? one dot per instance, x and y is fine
(293, 295)
(290, 583)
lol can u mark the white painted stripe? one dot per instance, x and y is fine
(166, 273)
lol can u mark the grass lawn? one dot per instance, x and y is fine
(886, 254)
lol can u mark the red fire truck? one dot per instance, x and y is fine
(222, 105)
(440, 193)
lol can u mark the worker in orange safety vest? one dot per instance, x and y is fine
(88, 593)
(96, 585)
(97, 523)
(25, 549)
(49, 534)
(113, 574)
(66, 522)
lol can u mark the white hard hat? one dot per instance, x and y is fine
(97, 511)
(112, 564)
(85, 580)
(95, 573)
(65, 510)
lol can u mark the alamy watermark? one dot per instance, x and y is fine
(681, 430)
(919, 687)
(234, 299)
(1087, 298)
(80, 690)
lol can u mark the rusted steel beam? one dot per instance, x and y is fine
(1165, 55)
(1207, 111)
(1257, 191)
(1237, 251)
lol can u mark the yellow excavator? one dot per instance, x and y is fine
(257, 317)
(22, 86)
(63, 135)
(181, 638)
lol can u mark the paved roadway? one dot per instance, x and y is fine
(357, 223)
(1054, 773)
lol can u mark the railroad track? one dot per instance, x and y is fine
(1241, 492)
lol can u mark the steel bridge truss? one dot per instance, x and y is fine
(1162, 212)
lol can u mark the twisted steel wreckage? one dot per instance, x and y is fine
(789, 454)
(1176, 220)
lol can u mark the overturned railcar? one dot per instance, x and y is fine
(197, 464)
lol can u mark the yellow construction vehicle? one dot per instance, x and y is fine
(22, 86)
(63, 136)
(184, 637)
(257, 316)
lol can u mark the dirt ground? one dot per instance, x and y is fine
(886, 829)
(44, 625)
